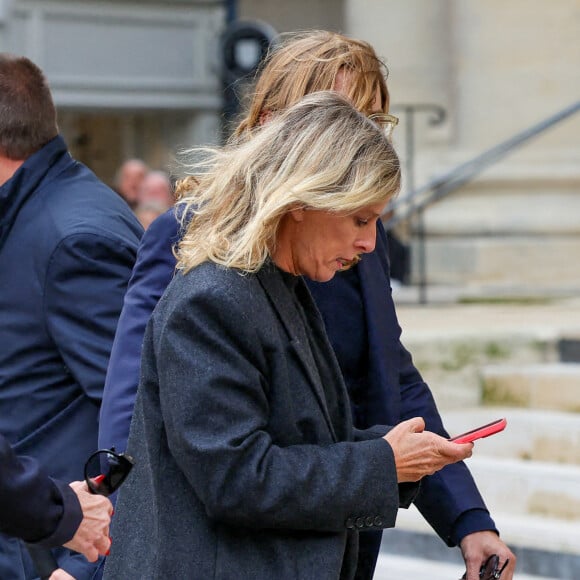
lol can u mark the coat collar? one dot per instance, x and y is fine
(283, 302)
(25, 181)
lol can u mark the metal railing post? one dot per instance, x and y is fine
(438, 116)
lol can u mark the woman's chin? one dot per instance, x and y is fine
(324, 276)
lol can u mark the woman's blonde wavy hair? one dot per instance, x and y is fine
(321, 153)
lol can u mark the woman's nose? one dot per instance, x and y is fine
(366, 243)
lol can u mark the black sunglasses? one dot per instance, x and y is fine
(490, 569)
(106, 470)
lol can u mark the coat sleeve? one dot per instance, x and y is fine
(449, 499)
(213, 380)
(33, 506)
(153, 270)
(86, 280)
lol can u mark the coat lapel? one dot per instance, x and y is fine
(283, 303)
(383, 350)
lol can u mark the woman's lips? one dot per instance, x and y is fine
(345, 264)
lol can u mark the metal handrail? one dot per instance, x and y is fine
(438, 188)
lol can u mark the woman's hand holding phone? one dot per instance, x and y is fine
(419, 453)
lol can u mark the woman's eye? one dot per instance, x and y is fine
(360, 222)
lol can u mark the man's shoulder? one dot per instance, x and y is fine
(77, 185)
(163, 233)
(82, 204)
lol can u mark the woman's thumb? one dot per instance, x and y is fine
(416, 424)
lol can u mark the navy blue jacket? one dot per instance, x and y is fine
(33, 506)
(393, 389)
(67, 247)
(357, 306)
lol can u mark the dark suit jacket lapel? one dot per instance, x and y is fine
(283, 302)
(382, 348)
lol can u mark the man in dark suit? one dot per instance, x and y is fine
(67, 246)
(49, 513)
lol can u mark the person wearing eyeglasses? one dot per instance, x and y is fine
(49, 513)
(357, 306)
(247, 463)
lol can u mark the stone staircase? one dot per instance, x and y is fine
(489, 361)
(548, 386)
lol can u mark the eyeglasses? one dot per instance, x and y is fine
(385, 121)
(490, 569)
(106, 470)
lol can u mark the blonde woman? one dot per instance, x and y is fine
(247, 463)
(383, 384)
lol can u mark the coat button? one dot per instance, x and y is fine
(369, 522)
(378, 521)
(360, 522)
(349, 523)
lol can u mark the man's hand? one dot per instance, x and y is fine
(476, 549)
(419, 453)
(92, 536)
(60, 574)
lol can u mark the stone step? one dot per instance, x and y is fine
(529, 476)
(545, 547)
(529, 487)
(451, 343)
(452, 363)
(391, 567)
(541, 386)
(531, 434)
(502, 262)
(533, 532)
(533, 467)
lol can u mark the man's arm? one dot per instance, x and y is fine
(33, 506)
(449, 499)
(153, 270)
(48, 513)
(86, 280)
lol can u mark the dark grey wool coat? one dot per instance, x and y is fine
(247, 463)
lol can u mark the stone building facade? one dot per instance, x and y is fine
(142, 78)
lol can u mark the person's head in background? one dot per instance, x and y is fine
(129, 178)
(306, 190)
(147, 212)
(311, 61)
(156, 187)
(27, 113)
(317, 61)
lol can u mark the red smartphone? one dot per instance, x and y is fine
(480, 432)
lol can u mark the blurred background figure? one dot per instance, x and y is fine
(149, 211)
(129, 179)
(154, 197)
(156, 186)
